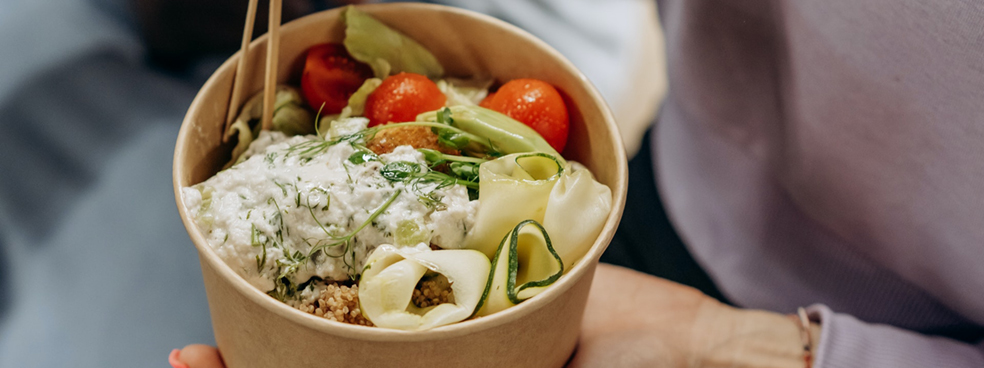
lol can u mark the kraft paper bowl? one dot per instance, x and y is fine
(255, 330)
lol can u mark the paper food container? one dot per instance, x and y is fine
(255, 330)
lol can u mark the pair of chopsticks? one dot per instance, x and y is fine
(272, 56)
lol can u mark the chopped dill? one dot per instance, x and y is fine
(293, 260)
(347, 174)
(281, 186)
(254, 240)
(278, 221)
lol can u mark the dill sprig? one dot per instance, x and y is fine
(254, 240)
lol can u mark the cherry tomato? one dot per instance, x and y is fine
(487, 101)
(535, 103)
(401, 98)
(330, 77)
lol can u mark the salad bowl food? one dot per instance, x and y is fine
(253, 328)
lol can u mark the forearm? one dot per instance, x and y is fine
(750, 338)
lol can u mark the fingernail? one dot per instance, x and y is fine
(173, 359)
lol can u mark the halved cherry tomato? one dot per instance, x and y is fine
(331, 76)
(535, 103)
(401, 98)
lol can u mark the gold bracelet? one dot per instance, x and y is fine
(803, 322)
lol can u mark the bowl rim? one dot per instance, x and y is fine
(310, 321)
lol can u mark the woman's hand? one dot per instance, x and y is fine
(636, 320)
(196, 356)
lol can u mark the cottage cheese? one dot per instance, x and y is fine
(266, 216)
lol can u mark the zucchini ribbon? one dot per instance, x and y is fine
(391, 274)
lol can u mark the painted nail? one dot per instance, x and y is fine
(173, 359)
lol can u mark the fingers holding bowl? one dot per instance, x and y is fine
(196, 356)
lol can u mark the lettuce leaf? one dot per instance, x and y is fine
(357, 103)
(464, 92)
(386, 50)
(289, 116)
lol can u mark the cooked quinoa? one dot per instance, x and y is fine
(338, 303)
(432, 291)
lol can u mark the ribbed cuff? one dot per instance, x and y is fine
(846, 342)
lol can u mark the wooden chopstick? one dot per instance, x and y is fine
(273, 53)
(239, 81)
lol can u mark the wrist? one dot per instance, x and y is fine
(750, 338)
(809, 335)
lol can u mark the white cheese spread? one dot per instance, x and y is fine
(290, 212)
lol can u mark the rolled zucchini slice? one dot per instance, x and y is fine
(512, 188)
(567, 200)
(524, 265)
(576, 212)
(391, 274)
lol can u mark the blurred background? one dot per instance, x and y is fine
(96, 268)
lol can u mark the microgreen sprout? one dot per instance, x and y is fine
(346, 240)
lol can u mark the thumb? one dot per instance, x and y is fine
(196, 356)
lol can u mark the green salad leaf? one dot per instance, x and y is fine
(465, 92)
(386, 50)
(289, 116)
(357, 103)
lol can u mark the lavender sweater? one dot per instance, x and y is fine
(831, 153)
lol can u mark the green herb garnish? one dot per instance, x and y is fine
(346, 240)
(362, 156)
